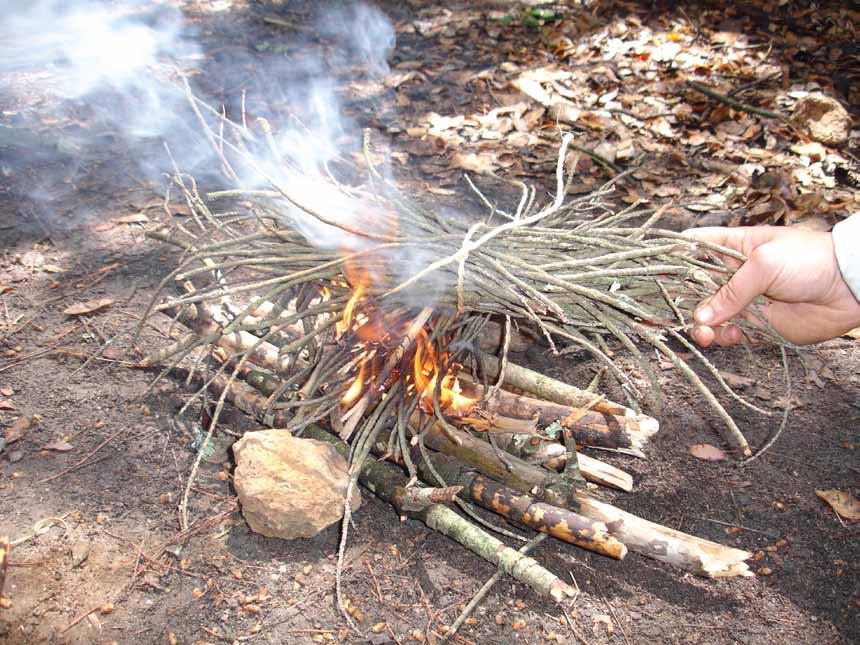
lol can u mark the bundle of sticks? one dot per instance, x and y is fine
(317, 303)
(528, 483)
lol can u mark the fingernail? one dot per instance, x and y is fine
(704, 314)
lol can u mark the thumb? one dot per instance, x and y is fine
(748, 283)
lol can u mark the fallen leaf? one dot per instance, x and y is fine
(440, 123)
(813, 150)
(52, 268)
(7, 405)
(481, 163)
(32, 259)
(707, 452)
(134, 218)
(604, 621)
(113, 353)
(58, 445)
(87, 307)
(736, 380)
(18, 429)
(844, 504)
(393, 81)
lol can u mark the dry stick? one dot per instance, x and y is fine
(738, 105)
(5, 547)
(603, 161)
(82, 462)
(485, 589)
(102, 607)
(785, 414)
(469, 246)
(744, 107)
(599, 472)
(555, 391)
(412, 333)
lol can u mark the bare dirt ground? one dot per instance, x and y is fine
(90, 487)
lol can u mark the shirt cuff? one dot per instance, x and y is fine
(846, 242)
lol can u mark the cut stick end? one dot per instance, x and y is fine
(740, 569)
(648, 426)
(561, 591)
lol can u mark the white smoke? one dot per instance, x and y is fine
(119, 63)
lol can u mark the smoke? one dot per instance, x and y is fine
(88, 46)
(106, 78)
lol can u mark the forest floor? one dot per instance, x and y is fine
(95, 460)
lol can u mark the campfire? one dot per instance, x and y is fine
(372, 341)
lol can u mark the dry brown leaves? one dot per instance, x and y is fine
(618, 80)
(843, 504)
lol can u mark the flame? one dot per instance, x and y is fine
(373, 329)
(356, 387)
(426, 367)
(346, 322)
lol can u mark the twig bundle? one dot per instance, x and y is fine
(343, 281)
(333, 301)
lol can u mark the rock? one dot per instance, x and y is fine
(290, 487)
(824, 117)
(80, 552)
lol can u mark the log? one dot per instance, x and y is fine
(587, 427)
(202, 320)
(697, 555)
(553, 390)
(552, 454)
(688, 552)
(599, 472)
(561, 523)
(558, 522)
(547, 485)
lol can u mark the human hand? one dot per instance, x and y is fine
(808, 301)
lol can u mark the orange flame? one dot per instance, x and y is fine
(346, 322)
(426, 369)
(356, 387)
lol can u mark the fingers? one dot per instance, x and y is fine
(725, 336)
(749, 281)
(744, 239)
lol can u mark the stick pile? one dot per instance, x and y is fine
(321, 304)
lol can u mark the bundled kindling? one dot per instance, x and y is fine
(325, 297)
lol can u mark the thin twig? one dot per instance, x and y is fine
(82, 462)
(485, 588)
